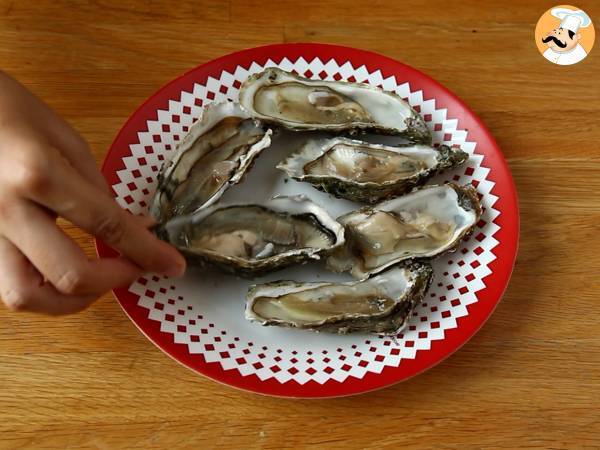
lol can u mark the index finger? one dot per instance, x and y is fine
(63, 190)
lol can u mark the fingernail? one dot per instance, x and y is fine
(176, 266)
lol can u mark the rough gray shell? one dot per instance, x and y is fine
(388, 298)
(297, 103)
(336, 156)
(284, 231)
(405, 228)
(215, 154)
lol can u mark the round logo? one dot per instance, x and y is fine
(564, 35)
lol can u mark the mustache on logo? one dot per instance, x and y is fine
(555, 40)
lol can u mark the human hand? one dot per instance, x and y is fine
(46, 170)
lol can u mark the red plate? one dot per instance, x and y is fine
(198, 320)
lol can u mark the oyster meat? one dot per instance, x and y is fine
(215, 154)
(365, 172)
(252, 240)
(382, 303)
(298, 103)
(423, 224)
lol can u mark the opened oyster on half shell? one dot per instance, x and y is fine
(366, 172)
(423, 224)
(382, 303)
(299, 103)
(254, 239)
(215, 154)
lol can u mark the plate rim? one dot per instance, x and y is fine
(467, 326)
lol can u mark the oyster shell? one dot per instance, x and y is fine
(365, 172)
(252, 240)
(298, 103)
(215, 154)
(382, 303)
(423, 224)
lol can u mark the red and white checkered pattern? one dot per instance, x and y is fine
(207, 314)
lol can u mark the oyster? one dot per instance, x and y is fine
(252, 240)
(382, 303)
(366, 172)
(215, 154)
(298, 103)
(423, 224)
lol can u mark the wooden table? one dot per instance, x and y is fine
(531, 376)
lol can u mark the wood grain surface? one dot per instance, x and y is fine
(529, 379)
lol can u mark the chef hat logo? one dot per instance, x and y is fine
(564, 35)
(571, 19)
